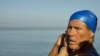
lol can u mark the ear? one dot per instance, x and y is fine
(91, 37)
(91, 34)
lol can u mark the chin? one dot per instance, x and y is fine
(74, 47)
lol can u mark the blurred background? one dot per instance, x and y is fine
(31, 27)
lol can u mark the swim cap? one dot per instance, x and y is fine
(86, 16)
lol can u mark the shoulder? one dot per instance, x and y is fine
(88, 54)
(93, 52)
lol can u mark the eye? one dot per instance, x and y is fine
(69, 27)
(78, 28)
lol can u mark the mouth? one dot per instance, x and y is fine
(72, 41)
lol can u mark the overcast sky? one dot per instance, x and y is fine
(43, 13)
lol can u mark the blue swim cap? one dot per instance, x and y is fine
(86, 16)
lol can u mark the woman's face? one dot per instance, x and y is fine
(77, 32)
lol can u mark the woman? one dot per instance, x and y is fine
(79, 37)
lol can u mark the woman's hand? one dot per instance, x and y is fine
(62, 43)
(60, 47)
(60, 40)
(63, 50)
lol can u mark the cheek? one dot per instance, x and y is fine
(82, 37)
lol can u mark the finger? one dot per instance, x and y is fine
(65, 42)
(59, 40)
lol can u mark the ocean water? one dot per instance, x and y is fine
(32, 42)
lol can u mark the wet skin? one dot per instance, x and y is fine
(78, 32)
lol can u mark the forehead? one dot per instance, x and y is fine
(77, 23)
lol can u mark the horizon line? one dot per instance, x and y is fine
(34, 28)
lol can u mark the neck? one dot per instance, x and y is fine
(84, 47)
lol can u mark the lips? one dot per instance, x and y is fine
(72, 40)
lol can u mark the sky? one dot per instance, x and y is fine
(43, 13)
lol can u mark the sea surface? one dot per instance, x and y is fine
(32, 42)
